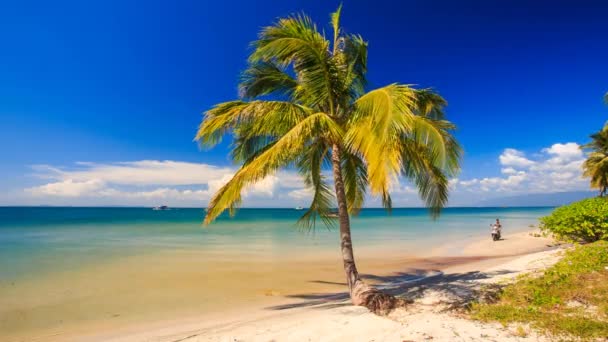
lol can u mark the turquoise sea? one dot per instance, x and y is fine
(48, 239)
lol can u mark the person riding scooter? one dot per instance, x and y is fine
(496, 229)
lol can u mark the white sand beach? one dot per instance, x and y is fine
(438, 286)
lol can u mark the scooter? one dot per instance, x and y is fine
(495, 233)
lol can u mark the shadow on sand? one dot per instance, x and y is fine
(458, 288)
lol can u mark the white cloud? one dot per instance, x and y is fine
(467, 183)
(67, 188)
(143, 172)
(508, 170)
(301, 194)
(513, 157)
(266, 187)
(555, 169)
(565, 152)
(149, 182)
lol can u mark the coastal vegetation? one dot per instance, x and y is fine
(304, 106)
(569, 300)
(583, 221)
(586, 220)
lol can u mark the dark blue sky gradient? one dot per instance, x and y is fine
(108, 81)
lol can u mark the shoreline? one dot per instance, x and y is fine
(285, 312)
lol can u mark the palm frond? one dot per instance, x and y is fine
(354, 172)
(279, 154)
(245, 148)
(296, 41)
(437, 137)
(386, 124)
(430, 104)
(595, 167)
(379, 119)
(386, 108)
(599, 140)
(218, 121)
(355, 51)
(258, 117)
(431, 181)
(387, 201)
(335, 23)
(264, 78)
(350, 60)
(310, 165)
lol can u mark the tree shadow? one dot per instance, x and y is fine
(456, 289)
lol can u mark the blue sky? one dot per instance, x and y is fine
(94, 91)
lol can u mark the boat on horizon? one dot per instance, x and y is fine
(299, 208)
(162, 207)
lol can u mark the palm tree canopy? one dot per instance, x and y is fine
(596, 165)
(302, 96)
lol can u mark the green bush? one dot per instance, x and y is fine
(586, 220)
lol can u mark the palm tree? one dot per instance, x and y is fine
(596, 165)
(303, 106)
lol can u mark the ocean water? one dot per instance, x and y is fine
(48, 239)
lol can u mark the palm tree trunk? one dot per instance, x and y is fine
(360, 293)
